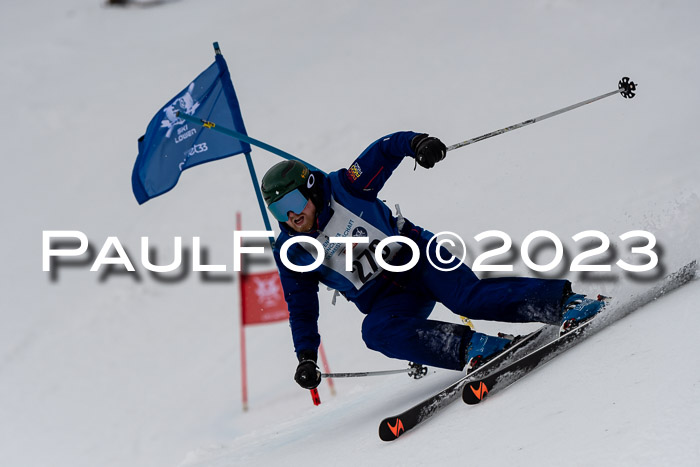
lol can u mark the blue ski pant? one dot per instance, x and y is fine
(397, 323)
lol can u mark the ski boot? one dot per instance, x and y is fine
(482, 348)
(578, 309)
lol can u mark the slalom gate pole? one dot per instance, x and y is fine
(324, 362)
(244, 369)
(625, 87)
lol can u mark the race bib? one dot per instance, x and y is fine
(344, 223)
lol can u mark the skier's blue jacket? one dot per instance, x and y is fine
(350, 208)
(397, 304)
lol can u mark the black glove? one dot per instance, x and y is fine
(428, 150)
(308, 376)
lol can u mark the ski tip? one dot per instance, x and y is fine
(475, 392)
(391, 428)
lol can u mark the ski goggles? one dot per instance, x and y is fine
(293, 201)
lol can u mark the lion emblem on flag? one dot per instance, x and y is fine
(185, 103)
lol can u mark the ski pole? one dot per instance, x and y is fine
(414, 370)
(624, 87)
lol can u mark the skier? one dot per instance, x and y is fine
(397, 304)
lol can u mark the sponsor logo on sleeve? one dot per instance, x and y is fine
(354, 172)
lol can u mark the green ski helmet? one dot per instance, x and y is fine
(287, 186)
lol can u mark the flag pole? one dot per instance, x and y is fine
(230, 94)
(258, 194)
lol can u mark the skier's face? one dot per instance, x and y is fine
(304, 221)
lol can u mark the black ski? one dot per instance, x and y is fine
(392, 427)
(475, 390)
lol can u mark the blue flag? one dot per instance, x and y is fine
(172, 145)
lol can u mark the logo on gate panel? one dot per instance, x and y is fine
(267, 290)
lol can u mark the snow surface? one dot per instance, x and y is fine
(100, 369)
